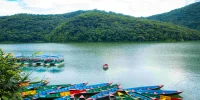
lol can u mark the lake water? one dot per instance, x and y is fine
(175, 65)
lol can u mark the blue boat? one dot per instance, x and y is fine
(103, 94)
(32, 86)
(144, 88)
(138, 96)
(160, 92)
(46, 92)
(94, 86)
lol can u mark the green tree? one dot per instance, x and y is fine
(10, 76)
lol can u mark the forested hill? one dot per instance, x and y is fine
(29, 27)
(188, 16)
(103, 26)
(93, 25)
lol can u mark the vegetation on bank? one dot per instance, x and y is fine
(188, 16)
(10, 76)
(97, 26)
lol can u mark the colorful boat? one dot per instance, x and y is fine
(83, 89)
(53, 86)
(161, 97)
(44, 94)
(103, 94)
(36, 85)
(160, 92)
(94, 86)
(61, 94)
(139, 96)
(103, 91)
(40, 60)
(144, 88)
(96, 90)
(43, 88)
(122, 95)
(105, 66)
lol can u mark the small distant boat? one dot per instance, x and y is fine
(105, 66)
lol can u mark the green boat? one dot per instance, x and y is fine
(43, 88)
(102, 88)
(53, 86)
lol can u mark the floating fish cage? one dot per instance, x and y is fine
(43, 60)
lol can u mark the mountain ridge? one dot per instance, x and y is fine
(22, 28)
(97, 26)
(188, 16)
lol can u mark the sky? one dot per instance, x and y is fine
(137, 8)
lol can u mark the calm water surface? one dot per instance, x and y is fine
(176, 65)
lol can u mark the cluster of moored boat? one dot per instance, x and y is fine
(104, 91)
(40, 60)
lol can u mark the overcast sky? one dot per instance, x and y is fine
(135, 8)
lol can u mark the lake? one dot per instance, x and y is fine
(175, 65)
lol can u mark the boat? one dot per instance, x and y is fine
(36, 85)
(43, 94)
(159, 92)
(27, 83)
(36, 60)
(61, 95)
(103, 94)
(139, 96)
(96, 90)
(54, 60)
(144, 88)
(78, 90)
(158, 97)
(105, 66)
(43, 88)
(94, 86)
(40, 60)
(53, 86)
(102, 91)
(121, 95)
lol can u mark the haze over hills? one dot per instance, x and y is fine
(188, 16)
(91, 25)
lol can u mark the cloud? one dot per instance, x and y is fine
(129, 7)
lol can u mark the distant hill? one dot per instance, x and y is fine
(92, 25)
(30, 27)
(188, 16)
(102, 26)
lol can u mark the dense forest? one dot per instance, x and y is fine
(30, 27)
(101, 26)
(188, 16)
(93, 25)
